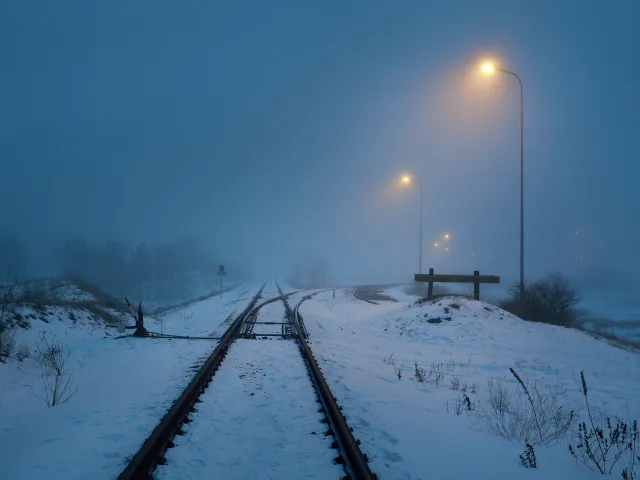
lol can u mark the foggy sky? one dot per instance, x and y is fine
(272, 130)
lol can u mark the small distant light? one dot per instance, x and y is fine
(446, 235)
(406, 179)
(446, 249)
(435, 245)
(577, 233)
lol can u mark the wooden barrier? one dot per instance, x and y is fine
(476, 279)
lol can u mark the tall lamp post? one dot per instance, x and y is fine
(406, 180)
(489, 68)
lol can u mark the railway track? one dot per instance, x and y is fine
(262, 395)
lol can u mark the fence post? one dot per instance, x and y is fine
(430, 287)
(476, 285)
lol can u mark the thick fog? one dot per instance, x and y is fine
(272, 135)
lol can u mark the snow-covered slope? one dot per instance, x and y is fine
(374, 356)
(400, 370)
(124, 386)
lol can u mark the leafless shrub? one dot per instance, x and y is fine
(8, 325)
(435, 375)
(601, 447)
(629, 472)
(57, 374)
(398, 371)
(528, 457)
(389, 360)
(458, 363)
(499, 399)
(552, 300)
(528, 414)
(419, 373)
(455, 383)
(464, 404)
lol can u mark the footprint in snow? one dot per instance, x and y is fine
(391, 456)
(51, 440)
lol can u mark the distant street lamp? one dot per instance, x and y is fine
(489, 68)
(406, 180)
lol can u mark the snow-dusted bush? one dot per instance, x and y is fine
(552, 300)
(526, 414)
(57, 374)
(435, 375)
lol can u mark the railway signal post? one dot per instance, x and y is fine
(221, 273)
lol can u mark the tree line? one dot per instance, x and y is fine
(159, 273)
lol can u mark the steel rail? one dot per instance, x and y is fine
(152, 451)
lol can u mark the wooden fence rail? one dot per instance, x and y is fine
(476, 279)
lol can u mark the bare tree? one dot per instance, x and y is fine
(57, 374)
(8, 326)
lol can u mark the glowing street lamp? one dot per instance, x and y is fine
(406, 180)
(489, 68)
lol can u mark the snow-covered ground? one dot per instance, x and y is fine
(258, 419)
(124, 386)
(372, 356)
(61, 290)
(269, 319)
(612, 305)
(613, 312)
(409, 429)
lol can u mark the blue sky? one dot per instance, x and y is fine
(271, 130)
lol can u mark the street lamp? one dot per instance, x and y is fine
(406, 180)
(489, 68)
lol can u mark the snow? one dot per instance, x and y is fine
(612, 305)
(55, 289)
(407, 428)
(613, 312)
(260, 411)
(399, 293)
(124, 387)
(258, 419)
